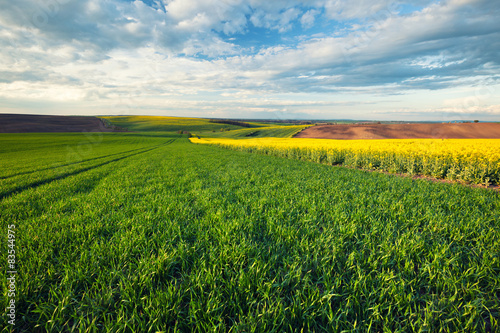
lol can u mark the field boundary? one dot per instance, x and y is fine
(493, 187)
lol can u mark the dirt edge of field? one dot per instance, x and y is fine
(494, 187)
(403, 131)
(27, 123)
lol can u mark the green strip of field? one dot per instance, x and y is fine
(204, 127)
(152, 233)
(279, 131)
(30, 160)
(168, 124)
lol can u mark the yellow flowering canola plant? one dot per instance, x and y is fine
(469, 160)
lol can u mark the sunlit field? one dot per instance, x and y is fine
(260, 132)
(169, 124)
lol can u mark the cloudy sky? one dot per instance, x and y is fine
(278, 59)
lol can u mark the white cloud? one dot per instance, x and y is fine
(342, 10)
(307, 20)
(89, 50)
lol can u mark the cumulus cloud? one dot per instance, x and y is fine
(400, 49)
(106, 51)
(307, 20)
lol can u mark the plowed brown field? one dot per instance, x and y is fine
(26, 123)
(403, 131)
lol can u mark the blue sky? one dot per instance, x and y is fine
(316, 59)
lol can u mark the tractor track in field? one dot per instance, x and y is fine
(36, 184)
(79, 162)
(67, 164)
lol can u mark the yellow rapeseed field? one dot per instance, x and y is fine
(470, 160)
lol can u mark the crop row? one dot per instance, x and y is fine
(38, 161)
(469, 160)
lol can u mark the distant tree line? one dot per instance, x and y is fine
(230, 122)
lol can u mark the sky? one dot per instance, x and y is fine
(276, 59)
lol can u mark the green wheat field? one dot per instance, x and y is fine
(143, 231)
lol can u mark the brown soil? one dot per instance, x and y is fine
(403, 131)
(24, 123)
